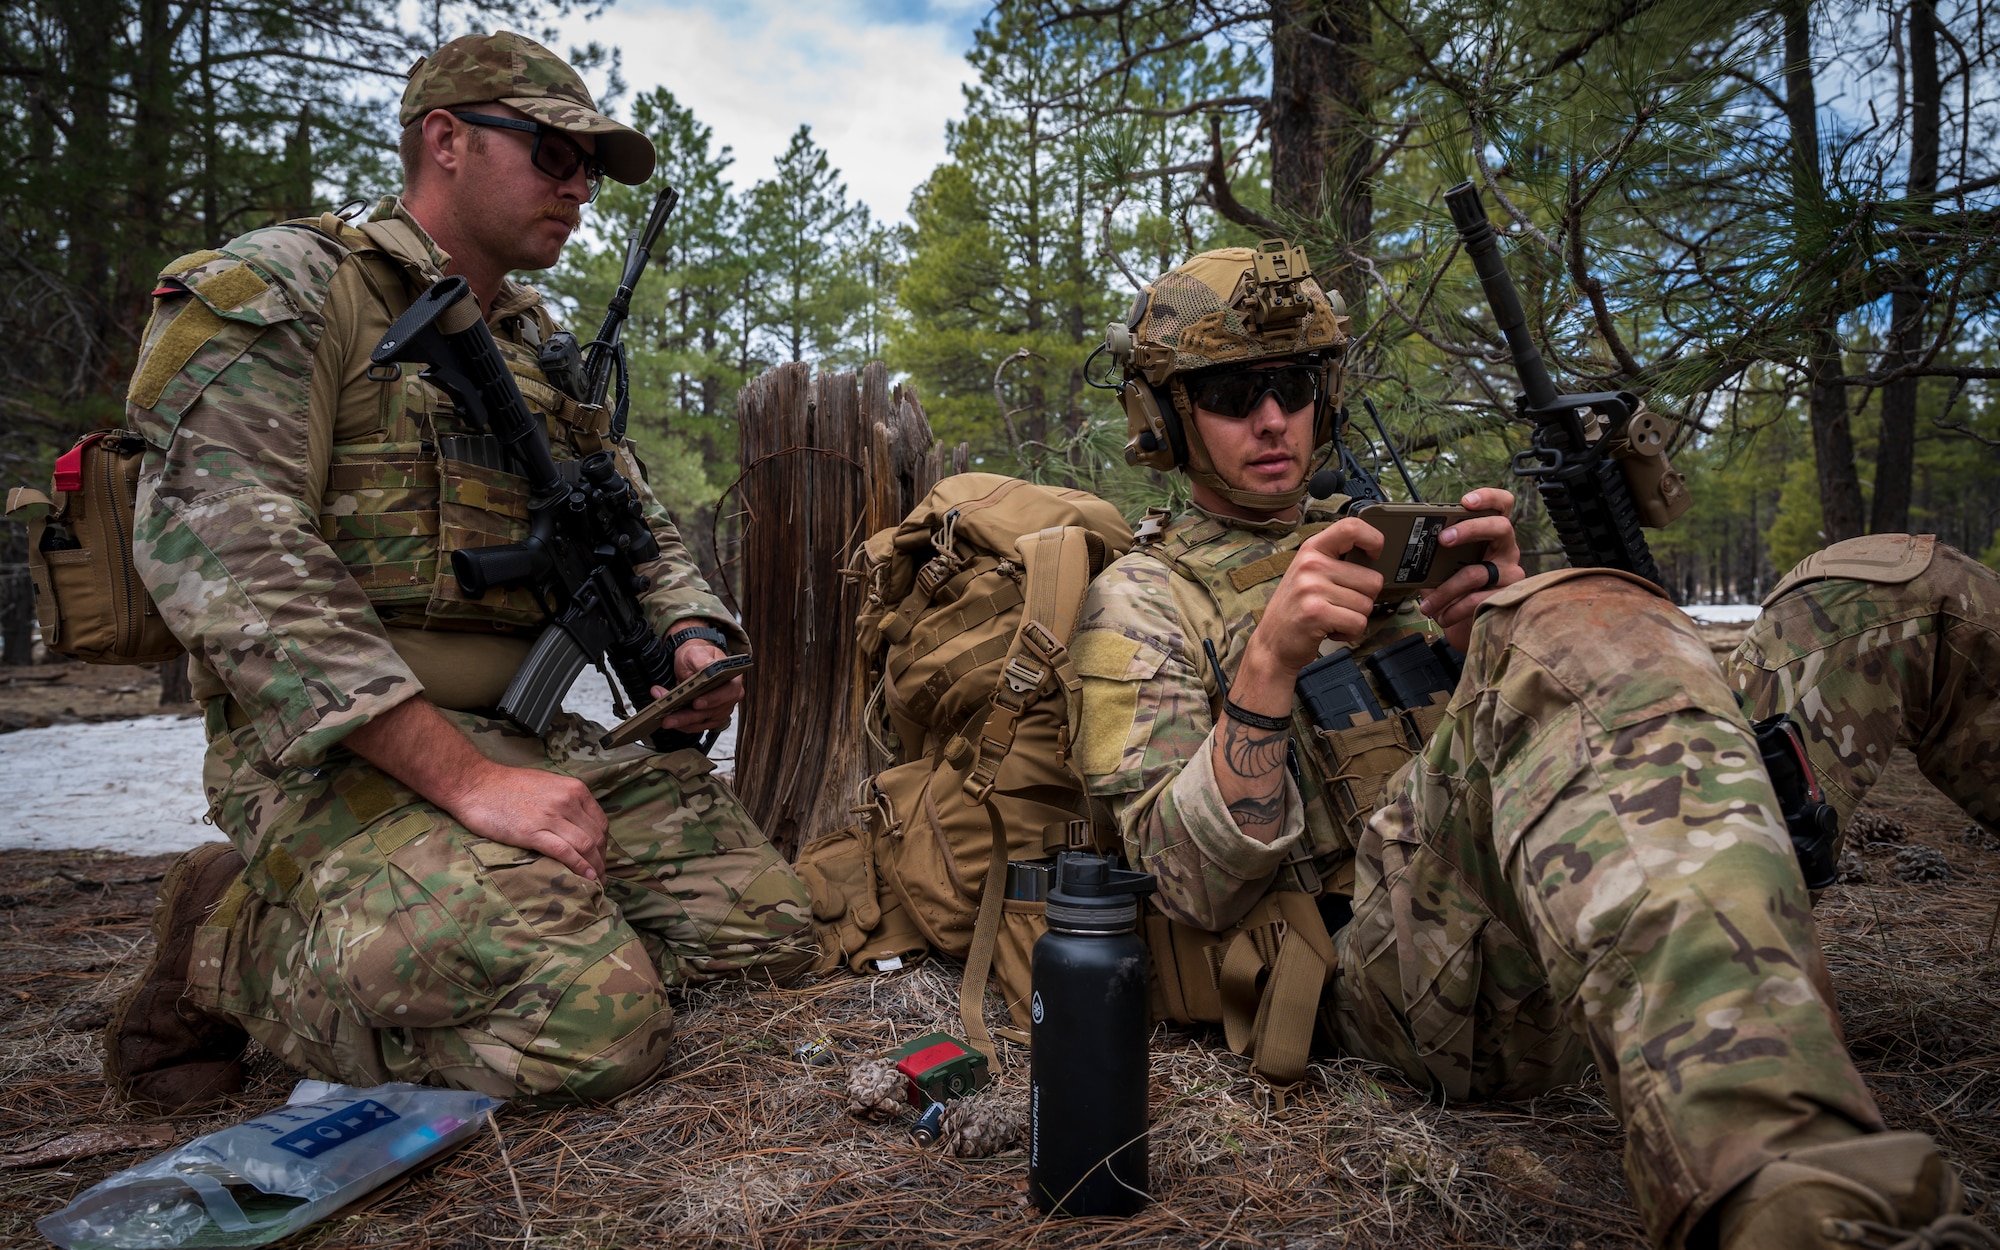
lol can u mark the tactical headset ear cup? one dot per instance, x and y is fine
(1143, 417)
(1169, 420)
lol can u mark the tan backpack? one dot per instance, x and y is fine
(971, 602)
(89, 598)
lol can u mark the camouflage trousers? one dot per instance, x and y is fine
(1586, 866)
(1863, 667)
(380, 940)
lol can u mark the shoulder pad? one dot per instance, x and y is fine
(1885, 559)
(266, 276)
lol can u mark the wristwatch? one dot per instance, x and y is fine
(692, 632)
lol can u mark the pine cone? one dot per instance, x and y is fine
(1979, 838)
(984, 1124)
(1875, 829)
(1922, 863)
(875, 1089)
(1852, 870)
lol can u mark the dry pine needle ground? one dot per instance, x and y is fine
(742, 1146)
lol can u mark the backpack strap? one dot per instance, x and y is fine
(1057, 566)
(1273, 972)
(985, 936)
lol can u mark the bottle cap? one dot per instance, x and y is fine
(1092, 895)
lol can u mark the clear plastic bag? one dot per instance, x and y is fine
(258, 1181)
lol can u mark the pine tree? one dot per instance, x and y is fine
(793, 224)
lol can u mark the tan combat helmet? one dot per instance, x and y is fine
(506, 68)
(1232, 306)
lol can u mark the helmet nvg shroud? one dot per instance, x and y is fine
(1231, 307)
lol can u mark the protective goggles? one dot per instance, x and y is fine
(1235, 393)
(554, 153)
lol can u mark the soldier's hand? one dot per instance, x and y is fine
(536, 811)
(1456, 602)
(712, 710)
(1322, 596)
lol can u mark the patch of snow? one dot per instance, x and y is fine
(1723, 613)
(134, 786)
(126, 785)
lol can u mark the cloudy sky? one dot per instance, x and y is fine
(875, 79)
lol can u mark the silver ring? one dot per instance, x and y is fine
(1492, 575)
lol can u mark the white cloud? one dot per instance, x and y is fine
(875, 82)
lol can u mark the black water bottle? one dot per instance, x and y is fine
(1088, 1068)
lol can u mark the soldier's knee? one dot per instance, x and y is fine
(1593, 629)
(775, 926)
(606, 1033)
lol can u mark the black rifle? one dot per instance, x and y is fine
(587, 533)
(585, 375)
(1586, 448)
(1599, 462)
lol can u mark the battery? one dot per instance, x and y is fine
(815, 1052)
(937, 1067)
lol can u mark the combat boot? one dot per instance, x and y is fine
(161, 1051)
(1885, 1191)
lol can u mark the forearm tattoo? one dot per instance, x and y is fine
(1255, 810)
(1257, 758)
(1251, 752)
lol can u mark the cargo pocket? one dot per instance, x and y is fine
(440, 943)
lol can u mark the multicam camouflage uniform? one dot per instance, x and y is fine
(294, 523)
(1584, 865)
(1879, 642)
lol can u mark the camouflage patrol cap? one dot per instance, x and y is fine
(506, 68)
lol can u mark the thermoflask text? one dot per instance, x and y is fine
(1088, 1068)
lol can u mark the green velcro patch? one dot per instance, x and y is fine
(193, 260)
(402, 831)
(194, 325)
(232, 288)
(1257, 572)
(283, 869)
(1101, 653)
(370, 797)
(1110, 709)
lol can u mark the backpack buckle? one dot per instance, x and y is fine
(1022, 677)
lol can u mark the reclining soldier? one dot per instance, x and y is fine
(414, 888)
(1571, 856)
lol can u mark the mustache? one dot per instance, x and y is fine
(568, 214)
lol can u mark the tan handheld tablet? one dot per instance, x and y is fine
(720, 673)
(1412, 559)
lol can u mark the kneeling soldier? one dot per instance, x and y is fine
(415, 889)
(1572, 855)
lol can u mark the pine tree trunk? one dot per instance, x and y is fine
(1833, 437)
(1895, 453)
(1320, 100)
(175, 688)
(17, 615)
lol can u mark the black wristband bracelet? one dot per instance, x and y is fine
(1253, 719)
(692, 632)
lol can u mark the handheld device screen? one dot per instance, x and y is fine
(720, 673)
(1412, 558)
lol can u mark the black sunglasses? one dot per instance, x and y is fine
(1235, 393)
(554, 153)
